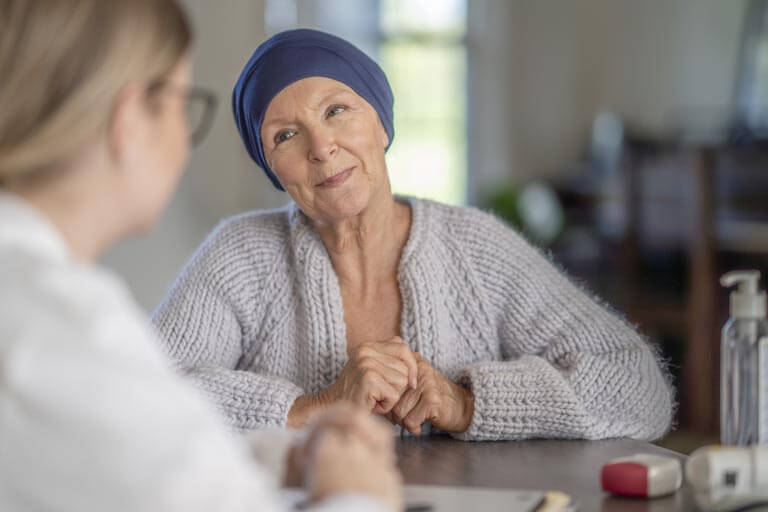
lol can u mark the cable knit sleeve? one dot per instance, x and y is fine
(571, 368)
(209, 319)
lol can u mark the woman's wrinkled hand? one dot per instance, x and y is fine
(348, 451)
(376, 376)
(436, 399)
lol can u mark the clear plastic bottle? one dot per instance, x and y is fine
(744, 356)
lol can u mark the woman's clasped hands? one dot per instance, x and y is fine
(389, 379)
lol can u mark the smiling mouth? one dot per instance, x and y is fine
(337, 179)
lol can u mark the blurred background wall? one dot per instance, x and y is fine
(542, 69)
(624, 137)
(221, 179)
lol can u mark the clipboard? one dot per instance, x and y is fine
(437, 498)
(433, 498)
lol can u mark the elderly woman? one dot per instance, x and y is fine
(415, 310)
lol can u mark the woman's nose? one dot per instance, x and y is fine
(322, 144)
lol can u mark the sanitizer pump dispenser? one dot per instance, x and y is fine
(744, 363)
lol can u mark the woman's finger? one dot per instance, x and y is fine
(395, 378)
(406, 404)
(346, 417)
(422, 411)
(392, 362)
(413, 420)
(397, 348)
(379, 395)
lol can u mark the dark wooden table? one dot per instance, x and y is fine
(569, 466)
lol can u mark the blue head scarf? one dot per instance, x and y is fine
(295, 54)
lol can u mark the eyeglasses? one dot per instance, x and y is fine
(200, 107)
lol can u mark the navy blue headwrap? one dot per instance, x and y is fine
(295, 54)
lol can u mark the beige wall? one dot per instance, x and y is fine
(550, 65)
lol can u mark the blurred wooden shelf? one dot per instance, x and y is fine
(742, 236)
(663, 316)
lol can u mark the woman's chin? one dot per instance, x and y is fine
(347, 204)
(144, 218)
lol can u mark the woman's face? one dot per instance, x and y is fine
(326, 145)
(163, 149)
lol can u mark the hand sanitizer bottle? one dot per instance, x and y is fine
(744, 363)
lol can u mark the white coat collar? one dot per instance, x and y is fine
(24, 227)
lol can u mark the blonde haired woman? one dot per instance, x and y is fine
(93, 139)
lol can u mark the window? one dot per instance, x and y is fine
(752, 81)
(422, 49)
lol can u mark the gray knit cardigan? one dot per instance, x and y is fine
(256, 318)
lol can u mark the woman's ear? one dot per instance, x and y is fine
(127, 124)
(383, 135)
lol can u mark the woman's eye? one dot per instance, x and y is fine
(284, 136)
(335, 110)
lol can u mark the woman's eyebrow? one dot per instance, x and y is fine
(332, 94)
(324, 99)
(278, 120)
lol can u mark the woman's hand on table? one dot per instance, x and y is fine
(349, 451)
(436, 399)
(375, 378)
(342, 416)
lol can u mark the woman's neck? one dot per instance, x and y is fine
(77, 211)
(365, 249)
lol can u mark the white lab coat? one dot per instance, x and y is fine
(91, 416)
